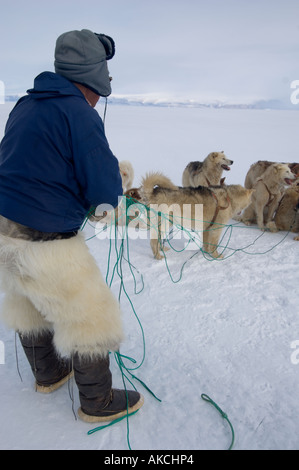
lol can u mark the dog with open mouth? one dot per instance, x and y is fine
(269, 190)
(258, 168)
(207, 173)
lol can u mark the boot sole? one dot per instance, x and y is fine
(100, 419)
(53, 387)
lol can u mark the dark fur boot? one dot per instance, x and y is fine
(99, 401)
(50, 371)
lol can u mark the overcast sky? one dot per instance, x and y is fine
(211, 49)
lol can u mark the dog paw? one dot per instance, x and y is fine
(214, 254)
(296, 238)
(271, 226)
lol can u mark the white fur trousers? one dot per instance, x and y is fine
(57, 285)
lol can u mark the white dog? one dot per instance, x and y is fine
(127, 174)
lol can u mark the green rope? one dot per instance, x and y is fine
(224, 416)
(99, 428)
(117, 269)
(125, 371)
(207, 255)
(122, 366)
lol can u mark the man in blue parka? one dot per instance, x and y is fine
(55, 165)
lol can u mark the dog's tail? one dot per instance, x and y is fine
(155, 179)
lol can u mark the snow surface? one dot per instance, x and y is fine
(227, 328)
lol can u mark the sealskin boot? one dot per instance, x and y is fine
(99, 401)
(50, 371)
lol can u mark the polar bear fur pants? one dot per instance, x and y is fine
(56, 285)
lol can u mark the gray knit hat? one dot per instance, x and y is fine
(81, 57)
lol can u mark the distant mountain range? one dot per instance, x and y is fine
(151, 100)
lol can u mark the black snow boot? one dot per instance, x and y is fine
(50, 370)
(99, 401)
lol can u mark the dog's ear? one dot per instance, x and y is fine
(294, 167)
(133, 193)
(214, 154)
(276, 168)
(136, 194)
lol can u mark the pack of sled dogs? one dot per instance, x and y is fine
(269, 198)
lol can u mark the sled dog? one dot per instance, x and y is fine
(287, 215)
(269, 189)
(219, 204)
(257, 169)
(127, 174)
(208, 172)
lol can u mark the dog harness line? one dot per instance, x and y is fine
(218, 208)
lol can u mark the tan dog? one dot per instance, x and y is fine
(287, 215)
(257, 169)
(269, 189)
(219, 204)
(208, 172)
(127, 174)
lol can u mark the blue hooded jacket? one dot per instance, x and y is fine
(55, 161)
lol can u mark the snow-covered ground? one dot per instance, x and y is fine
(227, 328)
